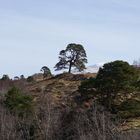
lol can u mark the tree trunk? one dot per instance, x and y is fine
(70, 67)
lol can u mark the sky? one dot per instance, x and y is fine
(32, 32)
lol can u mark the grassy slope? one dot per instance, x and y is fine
(63, 89)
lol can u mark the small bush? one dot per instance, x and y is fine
(5, 77)
(87, 88)
(46, 72)
(17, 102)
(30, 79)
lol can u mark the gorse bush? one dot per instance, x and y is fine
(17, 102)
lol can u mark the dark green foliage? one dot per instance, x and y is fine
(115, 77)
(16, 78)
(46, 72)
(22, 77)
(17, 102)
(5, 77)
(87, 89)
(30, 79)
(73, 56)
(130, 108)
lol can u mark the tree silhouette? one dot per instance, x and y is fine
(46, 71)
(5, 77)
(73, 56)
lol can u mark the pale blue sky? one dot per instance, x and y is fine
(32, 32)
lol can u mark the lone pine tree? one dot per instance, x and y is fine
(73, 56)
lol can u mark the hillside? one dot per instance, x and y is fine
(63, 88)
(60, 89)
(60, 113)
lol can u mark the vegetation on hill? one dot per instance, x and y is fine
(113, 80)
(102, 106)
(46, 72)
(17, 102)
(5, 77)
(58, 112)
(73, 56)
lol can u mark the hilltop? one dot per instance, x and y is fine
(63, 87)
